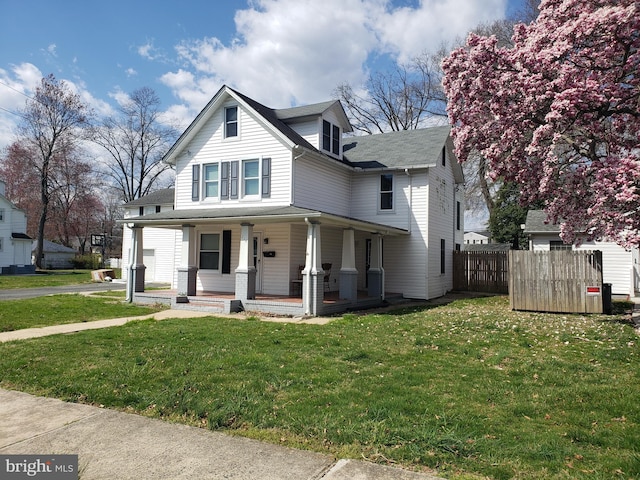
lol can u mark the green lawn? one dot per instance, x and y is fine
(51, 278)
(62, 309)
(471, 389)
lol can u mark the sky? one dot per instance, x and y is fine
(281, 53)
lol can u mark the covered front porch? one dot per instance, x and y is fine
(282, 261)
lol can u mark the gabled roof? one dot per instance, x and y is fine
(51, 247)
(276, 119)
(401, 149)
(164, 196)
(536, 222)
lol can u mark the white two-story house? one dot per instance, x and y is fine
(276, 210)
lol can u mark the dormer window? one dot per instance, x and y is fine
(330, 138)
(230, 122)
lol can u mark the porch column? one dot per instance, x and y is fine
(313, 275)
(137, 267)
(348, 270)
(375, 275)
(188, 269)
(246, 272)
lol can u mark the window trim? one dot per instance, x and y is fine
(256, 179)
(1, 214)
(331, 138)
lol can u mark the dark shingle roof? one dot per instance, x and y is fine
(536, 223)
(304, 110)
(405, 148)
(159, 197)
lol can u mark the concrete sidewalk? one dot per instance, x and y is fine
(116, 445)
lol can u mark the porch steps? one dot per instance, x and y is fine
(213, 305)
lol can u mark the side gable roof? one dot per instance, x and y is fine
(401, 149)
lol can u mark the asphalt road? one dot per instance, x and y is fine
(18, 293)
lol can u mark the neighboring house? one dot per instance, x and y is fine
(619, 266)
(159, 243)
(280, 203)
(487, 247)
(54, 255)
(15, 244)
(477, 238)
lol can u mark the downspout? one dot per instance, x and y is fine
(410, 207)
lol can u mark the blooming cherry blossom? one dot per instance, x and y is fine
(559, 113)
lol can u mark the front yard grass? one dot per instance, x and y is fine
(471, 388)
(63, 309)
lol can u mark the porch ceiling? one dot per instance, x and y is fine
(256, 215)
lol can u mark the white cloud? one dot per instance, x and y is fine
(52, 50)
(131, 72)
(289, 52)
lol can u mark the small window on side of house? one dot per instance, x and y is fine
(386, 191)
(326, 136)
(1, 214)
(140, 211)
(442, 255)
(444, 157)
(458, 215)
(158, 208)
(559, 245)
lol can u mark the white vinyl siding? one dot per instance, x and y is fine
(319, 184)
(255, 142)
(164, 243)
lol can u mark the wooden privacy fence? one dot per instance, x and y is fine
(556, 281)
(480, 271)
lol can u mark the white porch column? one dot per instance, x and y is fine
(188, 269)
(348, 270)
(137, 265)
(313, 275)
(246, 272)
(375, 275)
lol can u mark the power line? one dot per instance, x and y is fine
(13, 113)
(16, 90)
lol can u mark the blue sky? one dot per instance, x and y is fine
(279, 52)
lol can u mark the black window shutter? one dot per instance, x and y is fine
(226, 251)
(234, 179)
(224, 181)
(266, 177)
(195, 183)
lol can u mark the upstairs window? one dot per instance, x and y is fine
(1, 214)
(211, 180)
(251, 177)
(140, 211)
(386, 191)
(330, 137)
(230, 122)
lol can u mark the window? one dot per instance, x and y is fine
(442, 255)
(158, 208)
(330, 138)
(559, 245)
(140, 211)
(1, 244)
(211, 180)
(209, 251)
(444, 157)
(457, 215)
(386, 191)
(326, 136)
(1, 214)
(251, 177)
(230, 122)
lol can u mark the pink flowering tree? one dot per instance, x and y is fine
(559, 113)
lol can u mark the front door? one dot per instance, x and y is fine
(257, 259)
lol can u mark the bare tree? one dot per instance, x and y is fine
(406, 97)
(135, 140)
(397, 100)
(50, 130)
